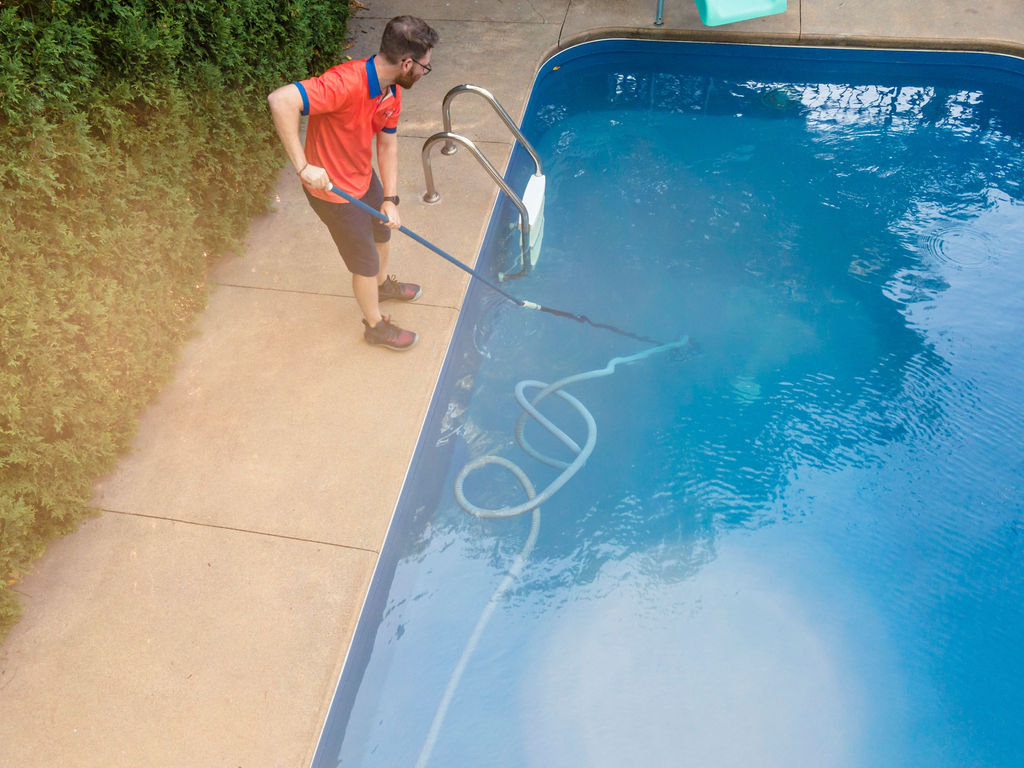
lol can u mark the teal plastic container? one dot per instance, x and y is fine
(716, 12)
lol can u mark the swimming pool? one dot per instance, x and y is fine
(799, 539)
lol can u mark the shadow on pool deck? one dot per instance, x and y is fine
(203, 619)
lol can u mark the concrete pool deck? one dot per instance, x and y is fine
(203, 618)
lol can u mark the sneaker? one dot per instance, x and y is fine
(392, 289)
(388, 335)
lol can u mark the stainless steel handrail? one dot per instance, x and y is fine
(446, 119)
(432, 195)
(451, 142)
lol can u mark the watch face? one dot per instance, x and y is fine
(392, 198)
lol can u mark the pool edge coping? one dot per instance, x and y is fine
(790, 39)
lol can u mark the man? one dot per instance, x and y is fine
(349, 106)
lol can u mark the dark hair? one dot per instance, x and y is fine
(407, 37)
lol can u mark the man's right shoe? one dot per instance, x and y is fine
(389, 335)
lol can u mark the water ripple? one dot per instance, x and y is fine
(961, 246)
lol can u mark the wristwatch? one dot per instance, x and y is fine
(391, 199)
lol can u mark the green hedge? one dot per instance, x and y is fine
(136, 147)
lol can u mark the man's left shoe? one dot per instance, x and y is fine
(392, 289)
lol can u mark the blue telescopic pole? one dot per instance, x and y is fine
(423, 241)
(518, 302)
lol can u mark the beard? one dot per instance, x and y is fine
(406, 81)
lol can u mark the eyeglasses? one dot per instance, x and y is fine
(426, 67)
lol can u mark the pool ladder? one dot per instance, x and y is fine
(530, 205)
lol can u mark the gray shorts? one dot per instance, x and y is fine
(354, 230)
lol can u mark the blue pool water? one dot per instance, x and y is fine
(800, 540)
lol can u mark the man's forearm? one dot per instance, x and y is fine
(387, 162)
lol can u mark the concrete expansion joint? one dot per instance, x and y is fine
(235, 529)
(322, 294)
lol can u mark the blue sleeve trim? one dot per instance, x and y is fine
(305, 98)
(389, 130)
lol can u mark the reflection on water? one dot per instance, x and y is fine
(729, 668)
(798, 545)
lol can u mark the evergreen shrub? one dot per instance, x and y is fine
(136, 146)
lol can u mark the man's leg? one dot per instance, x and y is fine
(390, 289)
(365, 290)
(383, 252)
(379, 329)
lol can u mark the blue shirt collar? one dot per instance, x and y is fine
(373, 81)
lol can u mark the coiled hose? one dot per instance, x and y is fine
(533, 499)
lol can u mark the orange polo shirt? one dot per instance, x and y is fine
(346, 110)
